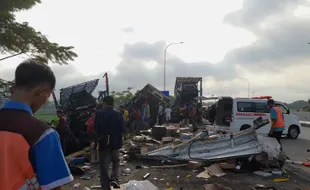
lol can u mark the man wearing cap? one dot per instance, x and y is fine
(277, 120)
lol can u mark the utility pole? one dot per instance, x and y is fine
(165, 57)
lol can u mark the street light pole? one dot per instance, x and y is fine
(248, 85)
(165, 56)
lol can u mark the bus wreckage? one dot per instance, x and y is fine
(206, 146)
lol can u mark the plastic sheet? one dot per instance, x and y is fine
(140, 185)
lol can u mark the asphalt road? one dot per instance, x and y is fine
(303, 116)
(296, 149)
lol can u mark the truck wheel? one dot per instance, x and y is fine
(293, 132)
(244, 127)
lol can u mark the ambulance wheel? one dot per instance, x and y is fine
(293, 132)
(244, 127)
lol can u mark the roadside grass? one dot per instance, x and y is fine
(45, 116)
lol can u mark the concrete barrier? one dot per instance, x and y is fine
(305, 123)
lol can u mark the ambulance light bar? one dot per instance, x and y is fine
(262, 97)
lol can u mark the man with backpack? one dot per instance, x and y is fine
(31, 154)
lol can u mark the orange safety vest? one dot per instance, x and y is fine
(279, 123)
(14, 163)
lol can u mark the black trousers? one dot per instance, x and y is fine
(277, 135)
(106, 156)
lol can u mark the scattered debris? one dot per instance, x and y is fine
(146, 175)
(262, 173)
(194, 165)
(262, 187)
(87, 177)
(169, 166)
(77, 185)
(215, 187)
(178, 147)
(126, 171)
(204, 174)
(96, 187)
(281, 179)
(140, 185)
(215, 170)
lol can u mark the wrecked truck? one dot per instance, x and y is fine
(152, 96)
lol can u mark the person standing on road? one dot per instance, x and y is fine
(168, 114)
(109, 125)
(31, 154)
(92, 136)
(125, 113)
(277, 120)
(62, 128)
(138, 127)
(132, 119)
(186, 116)
(145, 115)
(160, 113)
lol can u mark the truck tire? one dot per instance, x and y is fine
(293, 132)
(244, 127)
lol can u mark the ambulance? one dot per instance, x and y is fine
(238, 114)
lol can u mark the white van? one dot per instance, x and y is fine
(239, 113)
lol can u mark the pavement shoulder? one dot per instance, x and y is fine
(299, 172)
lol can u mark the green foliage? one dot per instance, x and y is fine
(171, 100)
(300, 105)
(17, 5)
(46, 116)
(5, 89)
(121, 98)
(21, 38)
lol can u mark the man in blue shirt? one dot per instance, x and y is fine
(34, 83)
(277, 120)
(109, 125)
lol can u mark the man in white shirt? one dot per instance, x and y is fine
(160, 114)
(168, 114)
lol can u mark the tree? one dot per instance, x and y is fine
(20, 38)
(171, 100)
(121, 98)
(5, 90)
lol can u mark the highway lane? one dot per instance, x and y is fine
(296, 149)
(303, 116)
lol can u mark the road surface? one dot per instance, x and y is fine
(296, 149)
(303, 116)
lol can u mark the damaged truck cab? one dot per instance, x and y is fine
(238, 114)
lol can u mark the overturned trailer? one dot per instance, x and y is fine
(152, 96)
(77, 102)
(186, 89)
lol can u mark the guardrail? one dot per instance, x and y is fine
(305, 123)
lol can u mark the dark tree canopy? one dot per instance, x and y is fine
(18, 38)
(5, 90)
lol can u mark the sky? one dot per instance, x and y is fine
(263, 43)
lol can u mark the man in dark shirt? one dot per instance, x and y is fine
(62, 128)
(109, 125)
